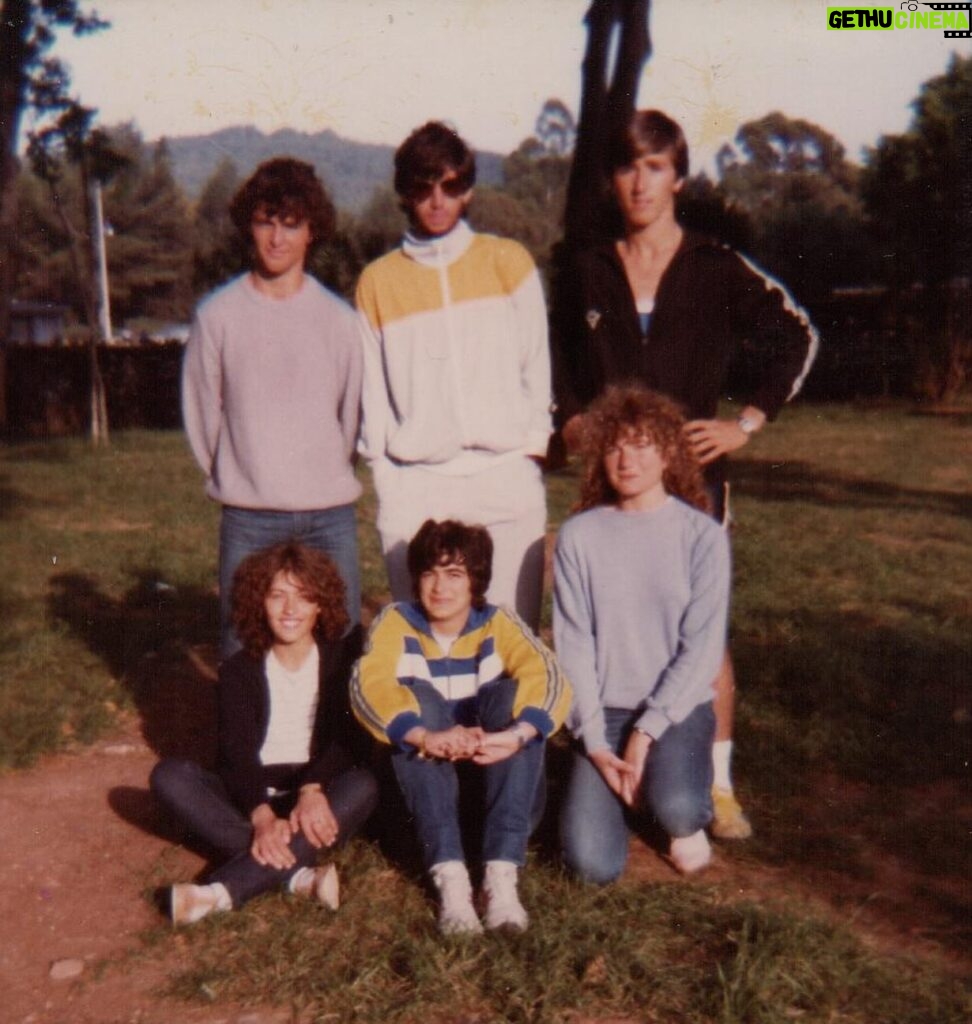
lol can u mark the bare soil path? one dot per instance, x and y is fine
(82, 844)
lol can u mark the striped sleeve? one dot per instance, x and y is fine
(379, 699)
(543, 692)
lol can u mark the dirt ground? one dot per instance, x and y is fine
(81, 840)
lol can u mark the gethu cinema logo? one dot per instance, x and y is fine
(953, 19)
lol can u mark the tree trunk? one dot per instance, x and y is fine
(15, 20)
(604, 104)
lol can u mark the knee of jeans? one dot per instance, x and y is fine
(681, 812)
(591, 865)
(169, 776)
(590, 858)
(494, 704)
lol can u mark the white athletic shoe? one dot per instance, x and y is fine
(691, 853)
(503, 906)
(457, 915)
(191, 903)
(321, 884)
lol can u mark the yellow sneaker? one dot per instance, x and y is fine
(728, 819)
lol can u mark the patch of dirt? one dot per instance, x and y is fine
(82, 839)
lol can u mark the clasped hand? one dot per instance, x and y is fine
(311, 815)
(623, 775)
(466, 743)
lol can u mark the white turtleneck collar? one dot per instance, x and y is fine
(443, 250)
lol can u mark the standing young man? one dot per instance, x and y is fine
(271, 388)
(668, 308)
(456, 399)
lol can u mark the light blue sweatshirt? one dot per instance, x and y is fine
(641, 604)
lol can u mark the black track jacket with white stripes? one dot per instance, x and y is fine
(710, 301)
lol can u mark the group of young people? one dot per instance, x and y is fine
(441, 378)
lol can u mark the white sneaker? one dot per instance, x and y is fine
(691, 853)
(191, 903)
(457, 915)
(321, 884)
(503, 906)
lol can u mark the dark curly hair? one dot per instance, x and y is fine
(284, 187)
(318, 578)
(451, 541)
(428, 153)
(633, 409)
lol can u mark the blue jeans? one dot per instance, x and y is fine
(199, 800)
(514, 790)
(243, 531)
(675, 790)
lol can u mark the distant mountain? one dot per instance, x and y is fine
(351, 170)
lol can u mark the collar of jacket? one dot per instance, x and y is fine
(441, 251)
(414, 614)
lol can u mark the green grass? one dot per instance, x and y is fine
(670, 952)
(851, 626)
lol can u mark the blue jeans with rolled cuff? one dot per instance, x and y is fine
(244, 531)
(676, 789)
(198, 799)
(514, 791)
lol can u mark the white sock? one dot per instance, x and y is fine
(301, 880)
(223, 900)
(721, 759)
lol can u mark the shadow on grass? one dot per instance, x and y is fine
(802, 481)
(158, 641)
(855, 742)
(13, 503)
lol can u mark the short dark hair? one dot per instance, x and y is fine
(647, 131)
(284, 187)
(315, 573)
(428, 153)
(453, 542)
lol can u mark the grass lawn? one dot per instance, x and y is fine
(852, 620)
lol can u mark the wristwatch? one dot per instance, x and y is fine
(747, 425)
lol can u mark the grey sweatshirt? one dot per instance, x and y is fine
(271, 390)
(640, 608)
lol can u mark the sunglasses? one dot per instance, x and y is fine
(452, 187)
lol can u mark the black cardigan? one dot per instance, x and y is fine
(244, 714)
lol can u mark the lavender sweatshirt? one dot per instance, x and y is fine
(640, 607)
(271, 390)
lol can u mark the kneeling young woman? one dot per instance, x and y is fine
(641, 596)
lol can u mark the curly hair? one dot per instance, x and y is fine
(428, 153)
(284, 187)
(453, 542)
(318, 578)
(637, 410)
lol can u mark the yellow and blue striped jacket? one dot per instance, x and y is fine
(494, 644)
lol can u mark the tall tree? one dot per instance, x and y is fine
(791, 179)
(608, 96)
(150, 253)
(30, 78)
(216, 250)
(918, 190)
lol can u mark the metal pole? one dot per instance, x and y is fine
(101, 263)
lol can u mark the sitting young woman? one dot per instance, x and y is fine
(289, 781)
(641, 597)
(449, 678)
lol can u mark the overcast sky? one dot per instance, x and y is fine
(372, 70)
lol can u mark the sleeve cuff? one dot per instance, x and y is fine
(401, 724)
(654, 722)
(540, 720)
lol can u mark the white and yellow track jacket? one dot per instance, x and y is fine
(457, 361)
